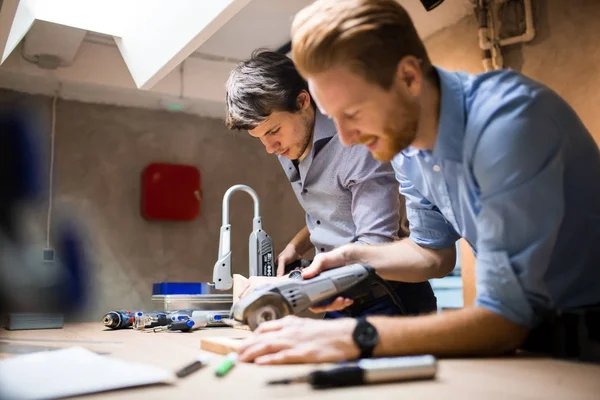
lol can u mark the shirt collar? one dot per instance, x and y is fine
(324, 127)
(324, 130)
(451, 128)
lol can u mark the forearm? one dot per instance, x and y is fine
(403, 260)
(301, 242)
(466, 332)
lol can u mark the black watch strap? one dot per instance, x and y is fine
(365, 336)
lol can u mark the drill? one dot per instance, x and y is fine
(119, 319)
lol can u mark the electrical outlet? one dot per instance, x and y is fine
(48, 255)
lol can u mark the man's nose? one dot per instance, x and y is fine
(347, 134)
(271, 145)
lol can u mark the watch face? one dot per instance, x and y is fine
(367, 335)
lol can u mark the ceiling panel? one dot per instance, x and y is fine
(266, 23)
(262, 23)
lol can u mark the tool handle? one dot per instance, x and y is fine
(228, 194)
(184, 326)
(377, 370)
(338, 377)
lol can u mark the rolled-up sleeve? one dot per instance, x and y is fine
(518, 166)
(375, 200)
(428, 227)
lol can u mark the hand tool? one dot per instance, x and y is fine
(260, 246)
(292, 296)
(145, 320)
(201, 318)
(187, 320)
(365, 371)
(119, 319)
(183, 325)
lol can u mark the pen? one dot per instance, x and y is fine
(226, 365)
(191, 368)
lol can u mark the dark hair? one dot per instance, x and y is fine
(268, 81)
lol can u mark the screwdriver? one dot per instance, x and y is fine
(389, 369)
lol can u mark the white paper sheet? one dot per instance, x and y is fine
(72, 371)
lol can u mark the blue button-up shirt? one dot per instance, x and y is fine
(516, 174)
(347, 195)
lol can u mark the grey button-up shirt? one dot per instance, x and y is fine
(347, 195)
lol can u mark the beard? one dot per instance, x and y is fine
(399, 129)
(300, 147)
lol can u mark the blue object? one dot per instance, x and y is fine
(516, 173)
(170, 288)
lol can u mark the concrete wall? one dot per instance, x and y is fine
(100, 154)
(565, 54)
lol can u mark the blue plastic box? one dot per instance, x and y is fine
(184, 288)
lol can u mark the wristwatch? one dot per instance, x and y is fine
(365, 336)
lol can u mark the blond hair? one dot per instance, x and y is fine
(368, 36)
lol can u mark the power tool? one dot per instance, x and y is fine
(260, 245)
(119, 319)
(293, 296)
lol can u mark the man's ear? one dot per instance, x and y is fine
(303, 100)
(409, 75)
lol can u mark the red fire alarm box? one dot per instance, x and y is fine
(171, 192)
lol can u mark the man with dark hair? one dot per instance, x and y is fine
(497, 159)
(339, 187)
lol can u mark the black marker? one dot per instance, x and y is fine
(376, 370)
(191, 368)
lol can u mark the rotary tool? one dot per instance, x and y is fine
(293, 296)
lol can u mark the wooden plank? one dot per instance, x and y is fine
(478, 378)
(241, 283)
(220, 345)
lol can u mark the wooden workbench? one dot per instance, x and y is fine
(502, 378)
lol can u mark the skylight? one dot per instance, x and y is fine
(154, 36)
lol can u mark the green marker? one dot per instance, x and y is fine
(226, 365)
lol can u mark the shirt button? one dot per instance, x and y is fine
(304, 191)
(318, 222)
(322, 249)
(437, 168)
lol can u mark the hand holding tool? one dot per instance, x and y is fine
(292, 296)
